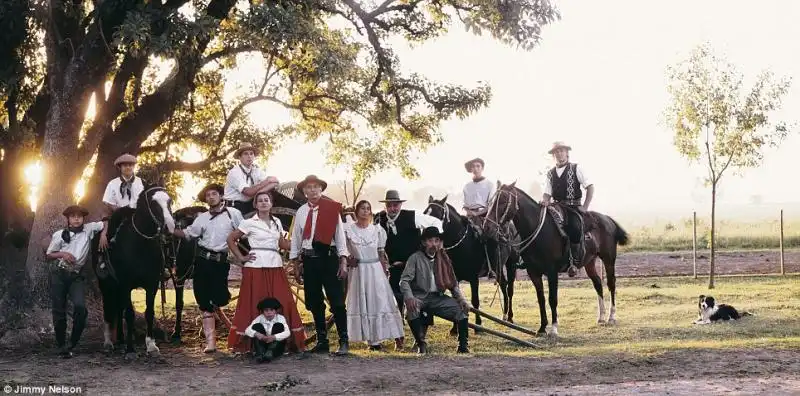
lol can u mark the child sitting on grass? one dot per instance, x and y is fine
(269, 331)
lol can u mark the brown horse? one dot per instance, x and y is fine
(545, 250)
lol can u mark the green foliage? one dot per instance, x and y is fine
(717, 121)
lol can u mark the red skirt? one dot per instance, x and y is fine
(257, 284)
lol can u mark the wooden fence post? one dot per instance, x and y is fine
(783, 269)
(694, 244)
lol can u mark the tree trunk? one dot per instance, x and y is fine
(713, 234)
(15, 213)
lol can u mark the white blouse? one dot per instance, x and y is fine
(363, 243)
(263, 237)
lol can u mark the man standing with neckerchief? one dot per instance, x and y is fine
(563, 185)
(211, 265)
(245, 180)
(403, 229)
(319, 254)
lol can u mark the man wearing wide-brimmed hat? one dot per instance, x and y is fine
(563, 186)
(211, 265)
(69, 251)
(319, 254)
(477, 191)
(427, 275)
(402, 228)
(125, 189)
(246, 179)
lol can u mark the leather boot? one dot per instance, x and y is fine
(399, 343)
(340, 317)
(322, 334)
(60, 328)
(463, 336)
(419, 335)
(209, 329)
(262, 352)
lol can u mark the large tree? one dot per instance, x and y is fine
(155, 72)
(718, 122)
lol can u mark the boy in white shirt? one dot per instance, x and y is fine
(125, 189)
(245, 180)
(69, 251)
(269, 331)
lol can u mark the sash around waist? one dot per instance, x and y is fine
(368, 260)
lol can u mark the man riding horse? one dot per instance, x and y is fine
(477, 194)
(563, 186)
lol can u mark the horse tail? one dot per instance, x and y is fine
(620, 235)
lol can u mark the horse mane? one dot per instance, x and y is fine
(521, 192)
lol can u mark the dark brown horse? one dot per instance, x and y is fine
(545, 251)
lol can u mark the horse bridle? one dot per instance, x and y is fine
(445, 220)
(159, 224)
(505, 218)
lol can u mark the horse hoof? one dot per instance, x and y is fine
(612, 322)
(108, 347)
(541, 333)
(130, 356)
(601, 322)
(154, 353)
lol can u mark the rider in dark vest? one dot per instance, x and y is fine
(402, 240)
(564, 182)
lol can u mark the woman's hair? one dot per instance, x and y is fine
(255, 203)
(361, 203)
(260, 193)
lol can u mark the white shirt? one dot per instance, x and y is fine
(478, 194)
(268, 327)
(213, 234)
(237, 181)
(78, 245)
(263, 237)
(298, 243)
(548, 184)
(112, 195)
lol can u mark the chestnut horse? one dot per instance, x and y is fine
(545, 251)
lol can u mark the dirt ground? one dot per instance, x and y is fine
(183, 371)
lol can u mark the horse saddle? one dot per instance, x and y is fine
(559, 214)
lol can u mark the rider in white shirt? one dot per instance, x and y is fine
(245, 180)
(125, 189)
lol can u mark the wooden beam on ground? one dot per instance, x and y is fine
(502, 322)
(502, 335)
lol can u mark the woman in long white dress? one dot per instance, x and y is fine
(372, 313)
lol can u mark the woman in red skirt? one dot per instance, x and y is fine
(263, 276)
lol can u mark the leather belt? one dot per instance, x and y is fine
(570, 202)
(311, 253)
(211, 255)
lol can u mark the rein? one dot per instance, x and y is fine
(159, 225)
(505, 218)
(445, 220)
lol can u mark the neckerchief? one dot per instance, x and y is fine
(65, 234)
(125, 186)
(443, 272)
(309, 216)
(390, 222)
(248, 176)
(221, 209)
(478, 179)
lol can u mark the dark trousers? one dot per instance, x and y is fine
(394, 282)
(67, 284)
(277, 347)
(574, 225)
(210, 284)
(319, 273)
(243, 206)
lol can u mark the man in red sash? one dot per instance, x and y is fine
(319, 252)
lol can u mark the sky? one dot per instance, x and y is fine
(598, 82)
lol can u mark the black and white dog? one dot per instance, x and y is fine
(710, 311)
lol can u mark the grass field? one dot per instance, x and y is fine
(654, 315)
(731, 235)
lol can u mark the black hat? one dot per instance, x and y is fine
(392, 196)
(213, 186)
(431, 232)
(468, 164)
(75, 209)
(269, 302)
